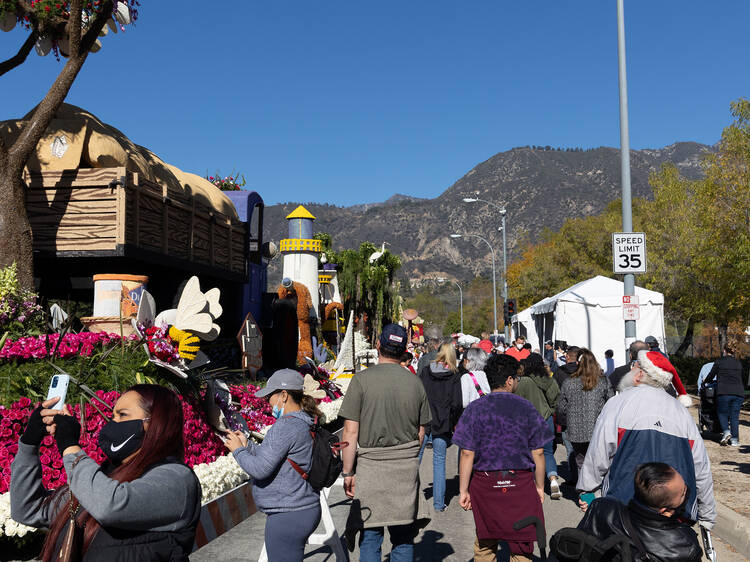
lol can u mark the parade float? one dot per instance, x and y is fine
(165, 348)
(173, 266)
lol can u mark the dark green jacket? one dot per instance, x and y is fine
(542, 392)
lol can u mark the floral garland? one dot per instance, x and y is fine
(205, 452)
(219, 477)
(72, 345)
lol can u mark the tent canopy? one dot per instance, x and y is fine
(589, 314)
(597, 291)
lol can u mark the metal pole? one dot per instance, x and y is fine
(505, 278)
(494, 290)
(461, 304)
(627, 211)
(494, 284)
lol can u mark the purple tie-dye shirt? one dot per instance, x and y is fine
(502, 429)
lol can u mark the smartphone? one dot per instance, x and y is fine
(58, 388)
(588, 497)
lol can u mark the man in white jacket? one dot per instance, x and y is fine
(645, 424)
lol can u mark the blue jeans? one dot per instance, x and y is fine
(572, 468)
(402, 543)
(728, 409)
(550, 466)
(440, 444)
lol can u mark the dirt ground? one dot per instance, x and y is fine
(730, 465)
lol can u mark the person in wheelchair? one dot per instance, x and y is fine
(654, 520)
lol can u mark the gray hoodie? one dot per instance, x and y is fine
(165, 498)
(277, 487)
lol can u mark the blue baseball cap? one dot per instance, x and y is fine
(394, 338)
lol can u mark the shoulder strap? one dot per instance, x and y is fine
(476, 384)
(633, 533)
(295, 466)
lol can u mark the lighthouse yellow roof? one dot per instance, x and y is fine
(300, 213)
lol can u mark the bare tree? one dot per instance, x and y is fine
(70, 27)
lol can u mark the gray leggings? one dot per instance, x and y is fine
(287, 533)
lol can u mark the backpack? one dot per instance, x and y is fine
(326, 463)
(569, 544)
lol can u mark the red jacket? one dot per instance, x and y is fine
(519, 354)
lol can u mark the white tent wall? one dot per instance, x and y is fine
(589, 314)
(523, 325)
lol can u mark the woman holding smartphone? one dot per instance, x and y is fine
(291, 505)
(143, 503)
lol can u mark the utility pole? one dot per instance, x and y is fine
(627, 210)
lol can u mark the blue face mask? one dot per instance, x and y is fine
(277, 412)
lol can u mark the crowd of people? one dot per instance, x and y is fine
(635, 456)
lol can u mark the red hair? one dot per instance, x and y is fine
(163, 439)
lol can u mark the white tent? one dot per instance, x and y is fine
(589, 314)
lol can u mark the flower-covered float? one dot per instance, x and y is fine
(167, 348)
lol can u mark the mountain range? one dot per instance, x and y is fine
(539, 187)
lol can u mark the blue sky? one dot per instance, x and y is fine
(350, 102)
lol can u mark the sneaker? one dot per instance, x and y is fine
(735, 443)
(554, 489)
(725, 439)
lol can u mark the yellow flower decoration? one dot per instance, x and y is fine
(189, 344)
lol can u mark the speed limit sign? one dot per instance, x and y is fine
(629, 252)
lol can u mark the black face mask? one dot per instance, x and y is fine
(119, 440)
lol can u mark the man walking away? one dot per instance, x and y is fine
(539, 388)
(549, 356)
(561, 375)
(729, 395)
(571, 364)
(501, 469)
(653, 345)
(609, 362)
(433, 344)
(623, 370)
(653, 514)
(645, 424)
(385, 411)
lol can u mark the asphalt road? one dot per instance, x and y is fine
(449, 536)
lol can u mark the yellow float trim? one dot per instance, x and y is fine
(300, 213)
(300, 245)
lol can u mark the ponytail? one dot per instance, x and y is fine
(306, 403)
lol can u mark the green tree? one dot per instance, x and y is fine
(674, 242)
(723, 202)
(368, 288)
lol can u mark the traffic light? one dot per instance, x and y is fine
(505, 311)
(511, 304)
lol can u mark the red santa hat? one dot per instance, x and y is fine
(658, 367)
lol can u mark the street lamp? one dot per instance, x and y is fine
(503, 212)
(627, 209)
(494, 286)
(460, 299)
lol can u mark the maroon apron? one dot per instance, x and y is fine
(499, 499)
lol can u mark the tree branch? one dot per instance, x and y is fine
(20, 56)
(34, 129)
(74, 26)
(88, 39)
